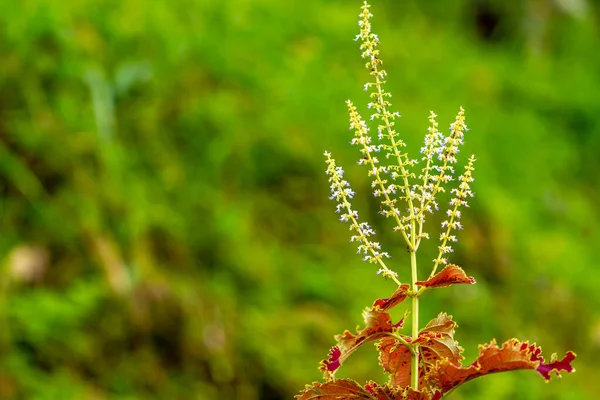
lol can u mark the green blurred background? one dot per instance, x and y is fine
(166, 228)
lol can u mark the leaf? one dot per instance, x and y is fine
(450, 275)
(384, 392)
(557, 366)
(333, 363)
(436, 348)
(378, 324)
(411, 394)
(398, 297)
(443, 323)
(344, 389)
(554, 364)
(395, 359)
(437, 341)
(338, 389)
(513, 355)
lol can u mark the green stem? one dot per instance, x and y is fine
(415, 322)
(403, 341)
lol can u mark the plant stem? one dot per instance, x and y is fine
(403, 341)
(415, 321)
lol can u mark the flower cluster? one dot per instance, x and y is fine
(391, 143)
(461, 194)
(391, 181)
(434, 176)
(381, 186)
(362, 231)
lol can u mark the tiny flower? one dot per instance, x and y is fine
(461, 193)
(342, 193)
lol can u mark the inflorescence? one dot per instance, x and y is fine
(391, 169)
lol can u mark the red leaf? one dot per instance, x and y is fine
(345, 389)
(338, 389)
(435, 348)
(451, 274)
(333, 363)
(378, 324)
(443, 323)
(556, 366)
(410, 394)
(436, 342)
(398, 297)
(513, 355)
(382, 392)
(395, 359)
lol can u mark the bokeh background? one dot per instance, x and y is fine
(165, 225)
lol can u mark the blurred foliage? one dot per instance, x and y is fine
(166, 231)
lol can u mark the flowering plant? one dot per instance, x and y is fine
(427, 363)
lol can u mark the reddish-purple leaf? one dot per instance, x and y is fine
(395, 359)
(338, 389)
(450, 275)
(333, 363)
(346, 389)
(434, 348)
(556, 365)
(437, 341)
(443, 323)
(398, 297)
(378, 324)
(513, 355)
(380, 392)
(424, 394)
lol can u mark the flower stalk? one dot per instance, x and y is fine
(426, 364)
(391, 181)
